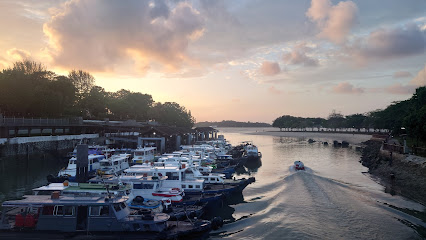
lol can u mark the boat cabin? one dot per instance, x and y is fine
(144, 154)
(73, 214)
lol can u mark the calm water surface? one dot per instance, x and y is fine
(332, 199)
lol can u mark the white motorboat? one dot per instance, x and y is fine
(114, 164)
(143, 154)
(298, 165)
(71, 169)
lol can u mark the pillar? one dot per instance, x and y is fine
(178, 141)
(82, 172)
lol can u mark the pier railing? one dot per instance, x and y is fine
(39, 121)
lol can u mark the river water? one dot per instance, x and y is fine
(333, 199)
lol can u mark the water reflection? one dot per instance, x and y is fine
(19, 175)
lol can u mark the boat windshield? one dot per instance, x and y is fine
(119, 206)
(105, 164)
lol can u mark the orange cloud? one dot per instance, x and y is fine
(298, 56)
(420, 78)
(270, 68)
(98, 35)
(347, 88)
(384, 44)
(334, 22)
(398, 88)
(18, 54)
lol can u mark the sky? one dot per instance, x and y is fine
(242, 60)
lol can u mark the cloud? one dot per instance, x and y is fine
(334, 22)
(98, 35)
(402, 74)
(298, 56)
(389, 43)
(420, 78)
(400, 89)
(18, 54)
(347, 88)
(270, 68)
(273, 90)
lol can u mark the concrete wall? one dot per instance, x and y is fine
(34, 145)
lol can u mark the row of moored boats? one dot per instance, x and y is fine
(135, 191)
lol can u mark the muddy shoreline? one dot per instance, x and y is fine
(401, 174)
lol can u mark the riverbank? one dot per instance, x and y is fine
(320, 136)
(401, 174)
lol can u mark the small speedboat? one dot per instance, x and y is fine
(298, 165)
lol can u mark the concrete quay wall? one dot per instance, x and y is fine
(34, 145)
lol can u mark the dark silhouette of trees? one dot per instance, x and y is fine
(171, 113)
(125, 104)
(404, 117)
(83, 81)
(28, 89)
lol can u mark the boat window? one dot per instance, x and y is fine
(197, 186)
(123, 205)
(59, 210)
(115, 163)
(99, 211)
(183, 186)
(47, 210)
(116, 207)
(143, 186)
(190, 186)
(105, 164)
(104, 210)
(68, 210)
(175, 176)
(94, 210)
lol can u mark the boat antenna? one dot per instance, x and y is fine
(106, 187)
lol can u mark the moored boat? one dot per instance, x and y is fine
(98, 215)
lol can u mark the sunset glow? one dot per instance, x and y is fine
(231, 60)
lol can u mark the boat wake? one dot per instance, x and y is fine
(307, 206)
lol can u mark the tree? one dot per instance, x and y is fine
(83, 81)
(125, 104)
(415, 121)
(355, 120)
(335, 120)
(94, 105)
(171, 113)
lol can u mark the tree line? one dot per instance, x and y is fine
(402, 117)
(230, 123)
(28, 89)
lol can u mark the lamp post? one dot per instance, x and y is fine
(404, 151)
